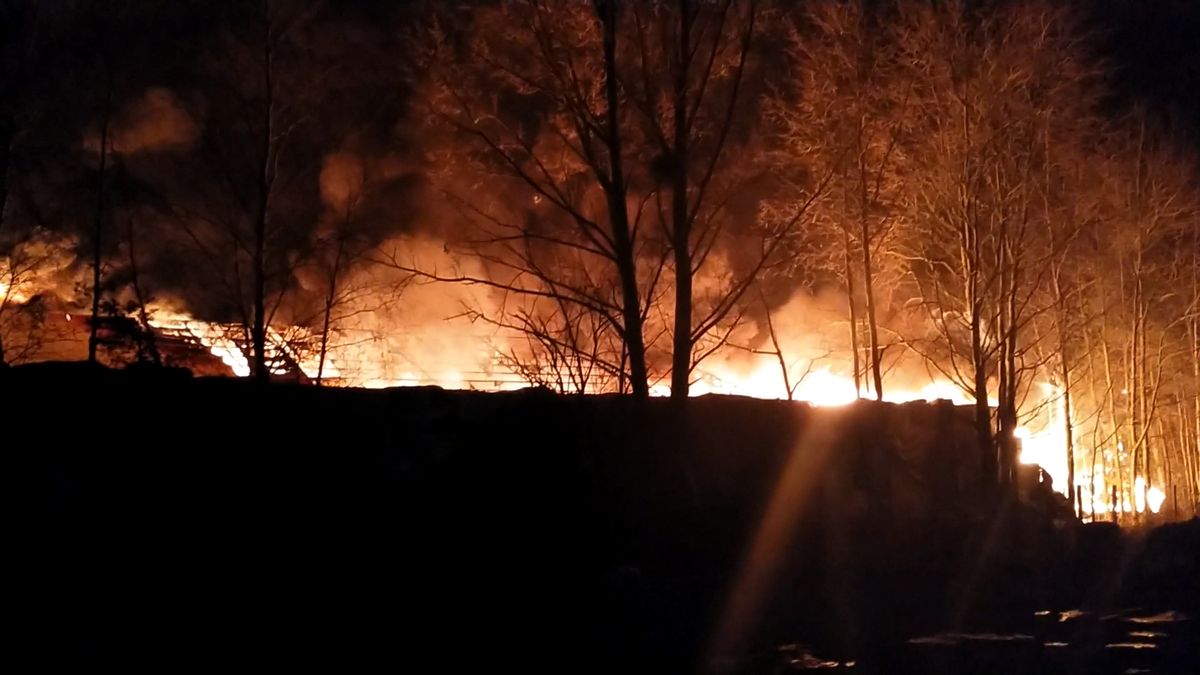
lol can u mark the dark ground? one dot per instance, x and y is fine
(164, 520)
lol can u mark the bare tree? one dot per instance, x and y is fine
(790, 373)
(148, 345)
(851, 109)
(1150, 204)
(16, 41)
(685, 78)
(241, 199)
(340, 263)
(99, 213)
(627, 171)
(562, 60)
(31, 263)
(998, 92)
(568, 350)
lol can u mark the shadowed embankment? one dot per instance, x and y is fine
(172, 519)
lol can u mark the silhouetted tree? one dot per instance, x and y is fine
(578, 243)
(255, 93)
(847, 109)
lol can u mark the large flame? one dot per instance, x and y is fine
(1044, 437)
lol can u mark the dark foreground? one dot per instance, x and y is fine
(164, 521)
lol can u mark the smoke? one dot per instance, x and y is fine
(342, 179)
(156, 121)
(40, 264)
(804, 333)
(414, 331)
(37, 273)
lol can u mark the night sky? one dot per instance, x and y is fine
(1156, 48)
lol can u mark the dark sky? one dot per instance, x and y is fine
(1154, 46)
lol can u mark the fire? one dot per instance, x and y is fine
(1044, 438)
(1098, 496)
(418, 358)
(210, 335)
(1155, 498)
(414, 358)
(13, 294)
(1144, 497)
(820, 385)
(226, 343)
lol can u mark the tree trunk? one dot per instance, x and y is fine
(681, 355)
(853, 309)
(872, 325)
(1091, 380)
(1110, 387)
(150, 344)
(864, 222)
(6, 135)
(1010, 274)
(1136, 355)
(992, 467)
(778, 352)
(623, 244)
(983, 414)
(258, 334)
(328, 309)
(98, 226)
(1067, 425)
(681, 230)
(1194, 479)
(330, 298)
